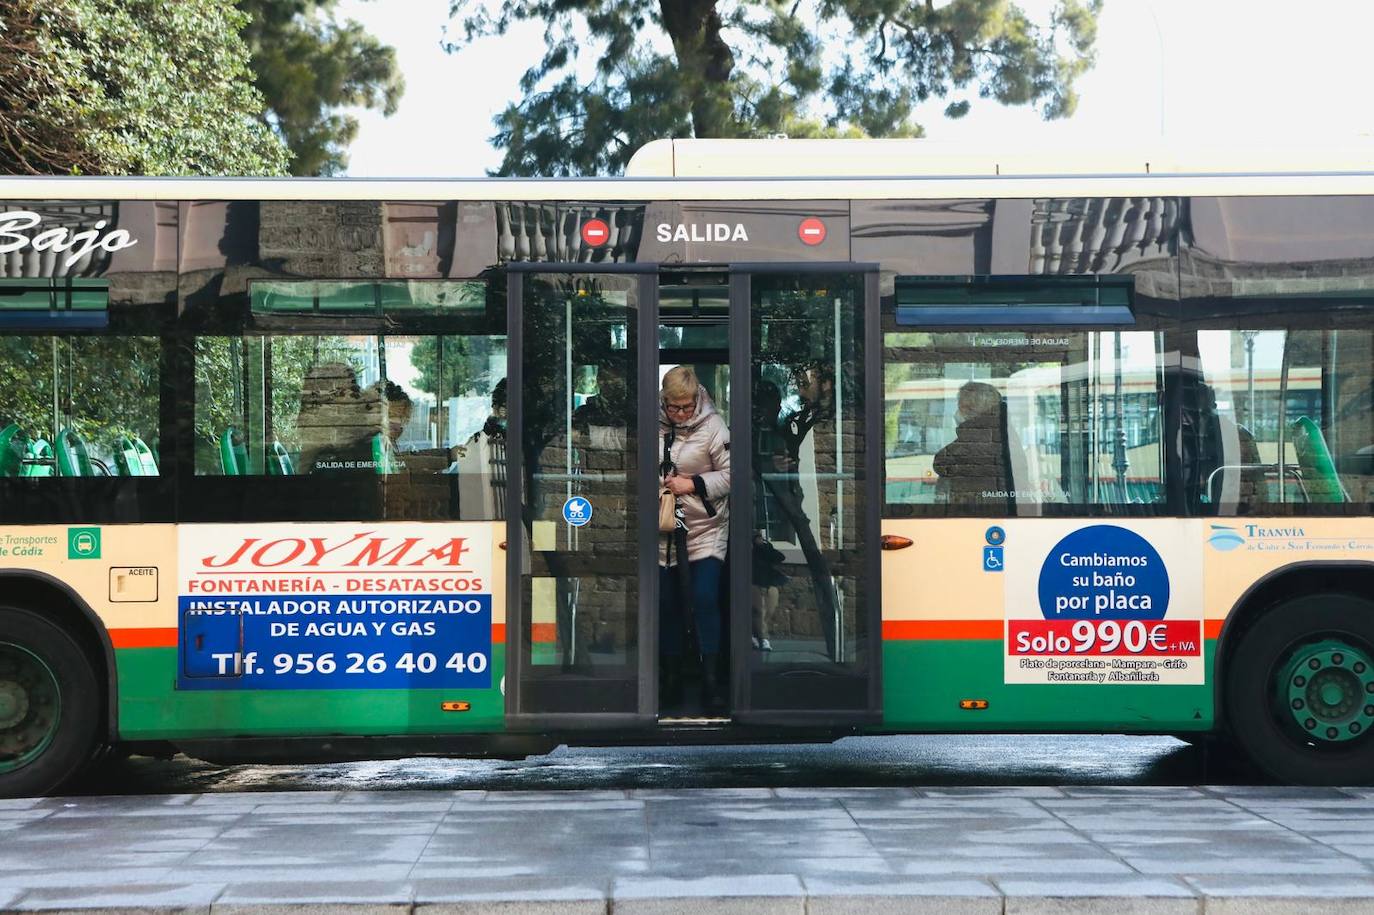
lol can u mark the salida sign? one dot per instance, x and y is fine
(700, 232)
(16, 223)
(334, 606)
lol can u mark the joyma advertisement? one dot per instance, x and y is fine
(335, 606)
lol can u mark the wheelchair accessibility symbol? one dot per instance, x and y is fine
(577, 511)
(992, 559)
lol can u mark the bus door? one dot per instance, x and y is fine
(804, 537)
(582, 380)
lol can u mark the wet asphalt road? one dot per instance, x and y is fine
(934, 760)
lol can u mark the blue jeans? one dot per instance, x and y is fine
(705, 575)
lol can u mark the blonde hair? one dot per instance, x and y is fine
(679, 383)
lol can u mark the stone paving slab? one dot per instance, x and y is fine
(753, 851)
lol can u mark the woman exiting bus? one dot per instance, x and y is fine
(696, 470)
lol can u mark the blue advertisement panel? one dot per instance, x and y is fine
(405, 606)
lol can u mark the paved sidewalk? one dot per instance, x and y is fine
(880, 850)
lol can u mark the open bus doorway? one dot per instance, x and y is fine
(797, 591)
(694, 643)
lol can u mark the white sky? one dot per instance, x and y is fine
(1181, 71)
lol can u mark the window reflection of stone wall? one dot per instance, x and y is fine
(596, 564)
(314, 239)
(338, 419)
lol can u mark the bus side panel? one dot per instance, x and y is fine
(158, 701)
(951, 600)
(151, 710)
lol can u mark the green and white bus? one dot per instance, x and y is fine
(365, 468)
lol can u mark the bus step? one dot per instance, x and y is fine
(693, 722)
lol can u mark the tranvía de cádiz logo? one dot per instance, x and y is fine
(77, 244)
(1225, 538)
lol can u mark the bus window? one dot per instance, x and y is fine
(406, 408)
(1022, 424)
(78, 406)
(1283, 420)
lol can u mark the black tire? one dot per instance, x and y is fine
(78, 719)
(1263, 728)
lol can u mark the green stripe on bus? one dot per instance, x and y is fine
(149, 709)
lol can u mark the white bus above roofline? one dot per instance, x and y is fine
(908, 158)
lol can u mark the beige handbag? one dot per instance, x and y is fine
(667, 511)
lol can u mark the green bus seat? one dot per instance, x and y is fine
(279, 462)
(1319, 474)
(133, 458)
(126, 458)
(383, 454)
(13, 443)
(233, 453)
(38, 460)
(73, 460)
(146, 458)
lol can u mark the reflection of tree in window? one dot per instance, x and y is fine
(105, 387)
(221, 402)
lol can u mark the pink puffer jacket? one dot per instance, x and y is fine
(701, 450)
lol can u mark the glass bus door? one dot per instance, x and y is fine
(581, 587)
(804, 537)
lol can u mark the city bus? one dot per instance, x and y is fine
(1043, 442)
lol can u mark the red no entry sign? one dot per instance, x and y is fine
(595, 232)
(811, 231)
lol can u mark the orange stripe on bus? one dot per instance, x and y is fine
(143, 638)
(544, 633)
(1211, 629)
(498, 633)
(902, 630)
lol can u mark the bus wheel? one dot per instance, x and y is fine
(49, 705)
(1300, 691)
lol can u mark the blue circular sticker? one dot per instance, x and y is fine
(1104, 572)
(995, 536)
(577, 511)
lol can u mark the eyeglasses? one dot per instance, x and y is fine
(679, 409)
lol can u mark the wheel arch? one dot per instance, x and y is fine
(54, 600)
(1270, 590)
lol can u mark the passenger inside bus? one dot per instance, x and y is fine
(1231, 473)
(973, 467)
(603, 414)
